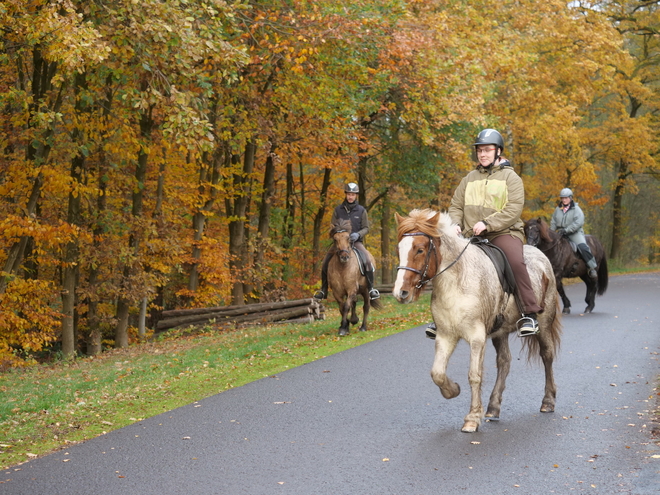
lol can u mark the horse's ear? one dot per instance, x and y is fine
(435, 218)
(398, 218)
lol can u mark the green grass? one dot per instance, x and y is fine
(47, 407)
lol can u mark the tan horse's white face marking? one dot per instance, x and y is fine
(402, 291)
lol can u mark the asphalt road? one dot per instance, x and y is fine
(371, 421)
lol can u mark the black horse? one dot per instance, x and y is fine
(566, 263)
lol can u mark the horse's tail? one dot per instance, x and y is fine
(551, 333)
(602, 276)
(377, 304)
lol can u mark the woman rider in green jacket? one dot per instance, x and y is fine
(488, 203)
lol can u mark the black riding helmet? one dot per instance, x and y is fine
(489, 136)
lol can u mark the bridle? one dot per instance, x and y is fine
(422, 273)
(340, 251)
(552, 245)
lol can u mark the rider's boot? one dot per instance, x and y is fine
(528, 325)
(589, 259)
(322, 293)
(373, 293)
(431, 330)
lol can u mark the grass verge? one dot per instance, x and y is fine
(47, 407)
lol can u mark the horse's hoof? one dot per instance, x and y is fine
(566, 311)
(492, 417)
(451, 390)
(343, 332)
(547, 408)
(362, 329)
(470, 427)
(588, 310)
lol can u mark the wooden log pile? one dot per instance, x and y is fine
(295, 311)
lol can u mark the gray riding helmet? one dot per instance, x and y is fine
(351, 187)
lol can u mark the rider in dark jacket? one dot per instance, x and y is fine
(568, 221)
(350, 210)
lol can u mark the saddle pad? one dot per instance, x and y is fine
(361, 262)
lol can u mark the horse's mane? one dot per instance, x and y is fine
(544, 230)
(340, 226)
(423, 221)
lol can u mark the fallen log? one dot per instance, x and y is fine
(224, 317)
(238, 309)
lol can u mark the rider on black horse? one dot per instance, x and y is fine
(568, 221)
(350, 210)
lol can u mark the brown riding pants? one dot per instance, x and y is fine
(513, 249)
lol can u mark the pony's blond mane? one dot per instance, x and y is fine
(423, 221)
(342, 224)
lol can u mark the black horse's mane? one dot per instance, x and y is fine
(341, 226)
(544, 230)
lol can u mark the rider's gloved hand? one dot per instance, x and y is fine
(561, 231)
(354, 236)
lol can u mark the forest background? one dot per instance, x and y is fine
(159, 154)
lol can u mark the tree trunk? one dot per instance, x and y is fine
(123, 302)
(318, 219)
(237, 210)
(265, 207)
(95, 337)
(71, 265)
(617, 210)
(288, 223)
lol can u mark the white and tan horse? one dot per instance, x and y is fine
(468, 303)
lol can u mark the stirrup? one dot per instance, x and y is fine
(374, 294)
(527, 326)
(320, 295)
(431, 330)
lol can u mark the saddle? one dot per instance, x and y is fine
(500, 262)
(362, 263)
(574, 246)
(504, 273)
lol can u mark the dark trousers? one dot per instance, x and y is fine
(513, 249)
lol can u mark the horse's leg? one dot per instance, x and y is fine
(345, 308)
(565, 301)
(354, 317)
(547, 352)
(592, 287)
(365, 312)
(503, 360)
(444, 347)
(475, 374)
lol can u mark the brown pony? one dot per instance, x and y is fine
(345, 279)
(468, 303)
(566, 263)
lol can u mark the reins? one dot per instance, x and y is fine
(422, 282)
(552, 245)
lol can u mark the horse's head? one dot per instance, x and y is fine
(340, 233)
(419, 254)
(532, 231)
(537, 232)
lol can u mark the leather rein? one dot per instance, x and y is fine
(552, 245)
(432, 249)
(339, 251)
